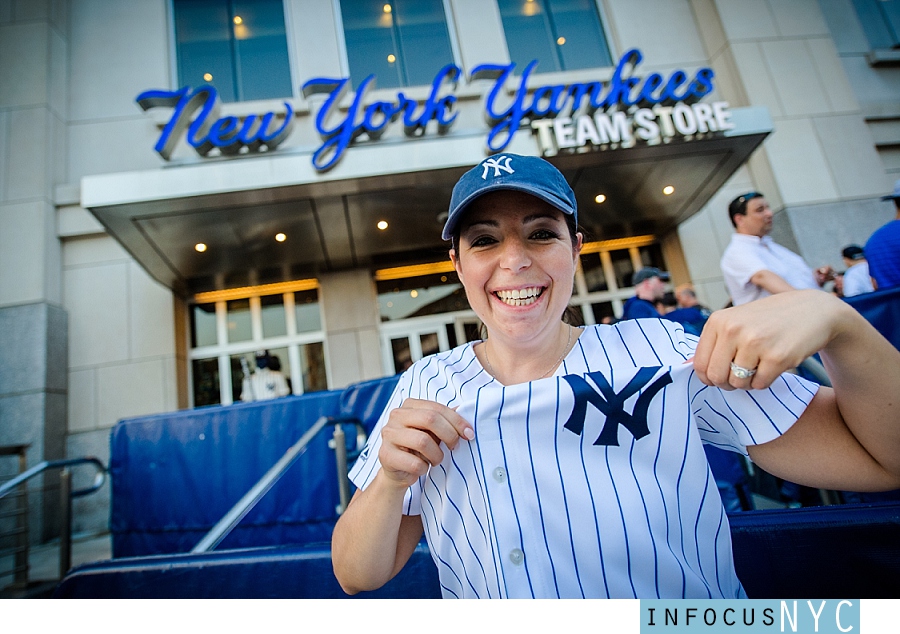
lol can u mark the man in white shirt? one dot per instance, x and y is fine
(856, 277)
(753, 265)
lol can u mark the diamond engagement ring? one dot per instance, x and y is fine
(742, 373)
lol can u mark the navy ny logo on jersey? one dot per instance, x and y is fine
(612, 404)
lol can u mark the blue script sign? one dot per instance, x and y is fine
(562, 116)
(206, 130)
(374, 118)
(527, 105)
(549, 101)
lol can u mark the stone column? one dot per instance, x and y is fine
(33, 324)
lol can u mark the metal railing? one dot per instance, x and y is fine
(66, 494)
(243, 506)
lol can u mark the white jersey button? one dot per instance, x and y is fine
(516, 556)
(500, 474)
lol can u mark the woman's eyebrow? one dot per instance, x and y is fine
(538, 216)
(487, 221)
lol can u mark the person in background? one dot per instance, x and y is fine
(690, 312)
(649, 288)
(265, 383)
(883, 248)
(667, 304)
(686, 297)
(755, 266)
(856, 280)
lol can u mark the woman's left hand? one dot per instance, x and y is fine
(770, 335)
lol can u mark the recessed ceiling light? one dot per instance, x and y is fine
(280, 237)
(387, 8)
(382, 224)
(200, 247)
(561, 40)
(668, 190)
(601, 198)
(207, 76)
(238, 19)
(414, 293)
(391, 58)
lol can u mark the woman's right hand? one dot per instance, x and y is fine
(411, 440)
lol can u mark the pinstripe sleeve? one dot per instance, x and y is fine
(367, 465)
(734, 419)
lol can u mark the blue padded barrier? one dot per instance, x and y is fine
(365, 401)
(826, 552)
(300, 572)
(882, 310)
(175, 475)
(850, 551)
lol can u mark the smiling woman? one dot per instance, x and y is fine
(516, 258)
(508, 453)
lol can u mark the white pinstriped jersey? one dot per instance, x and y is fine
(592, 482)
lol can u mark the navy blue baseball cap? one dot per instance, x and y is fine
(530, 174)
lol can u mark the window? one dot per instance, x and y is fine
(881, 22)
(237, 46)
(401, 42)
(603, 278)
(560, 34)
(420, 296)
(226, 334)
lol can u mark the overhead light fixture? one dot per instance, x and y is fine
(391, 58)
(387, 8)
(668, 190)
(382, 224)
(600, 198)
(199, 247)
(238, 19)
(207, 77)
(560, 40)
(414, 293)
(280, 237)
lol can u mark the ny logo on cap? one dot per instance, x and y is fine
(497, 164)
(613, 404)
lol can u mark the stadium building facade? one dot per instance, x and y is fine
(185, 182)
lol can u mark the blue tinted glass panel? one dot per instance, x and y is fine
(578, 28)
(263, 68)
(873, 18)
(424, 41)
(891, 10)
(203, 45)
(560, 34)
(238, 46)
(405, 45)
(529, 35)
(369, 35)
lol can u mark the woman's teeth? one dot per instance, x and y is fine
(520, 297)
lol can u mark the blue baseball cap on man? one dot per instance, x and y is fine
(530, 174)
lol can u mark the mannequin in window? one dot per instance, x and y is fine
(266, 382)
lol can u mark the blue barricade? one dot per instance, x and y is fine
(175, 475)
(849, 551)
(825, 552)
(882, 310)
(299, 572)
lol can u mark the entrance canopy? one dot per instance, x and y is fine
(237, 206)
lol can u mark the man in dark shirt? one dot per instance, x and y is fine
(649, 287)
